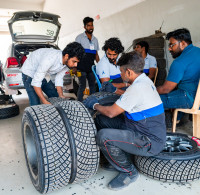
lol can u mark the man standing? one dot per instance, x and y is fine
(107, 68)
(91, 46)
(180, 87)
(141, 131)
(150, 61)
(44, 62)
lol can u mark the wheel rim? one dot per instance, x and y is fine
(31, 151)
(177, 144)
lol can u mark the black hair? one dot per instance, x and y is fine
(74, 49)
(87, 20)
(144, 44)
(132, 60)
(181, 34)
(113, 44)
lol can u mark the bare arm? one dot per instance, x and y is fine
(97, 57)
(167, 87)
(60, 91)
(110, 111)
(152, 72)
(40, 94)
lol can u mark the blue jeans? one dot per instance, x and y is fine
(176, 99)
(82, 84)
(48, 88)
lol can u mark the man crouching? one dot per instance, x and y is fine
(140, 130)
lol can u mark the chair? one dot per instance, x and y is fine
(97, 79)
(195, 113)
(155, 76)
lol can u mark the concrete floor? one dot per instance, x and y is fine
(14, 178)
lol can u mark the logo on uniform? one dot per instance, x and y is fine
(103, 72)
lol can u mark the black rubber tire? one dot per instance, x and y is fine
(161, 63)
(46, 147)
(157, 52)
(4, 97)
(8, 110)
(59, 140)
(84, 132)
(174, 166)
(159, 82)
(162, 73)
(105, 99)
(55, 99)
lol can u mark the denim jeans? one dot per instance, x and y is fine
(48, 88)
(176, 99)
(82, 84)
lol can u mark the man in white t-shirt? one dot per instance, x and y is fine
(140, 131)
(44, 62)
(107, 69)
(150, 61)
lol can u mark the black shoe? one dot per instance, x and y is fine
(122, 180)
(108, 167)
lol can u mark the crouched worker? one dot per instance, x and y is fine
(140, 130)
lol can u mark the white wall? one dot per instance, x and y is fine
(143, 19)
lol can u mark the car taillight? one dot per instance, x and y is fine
(12, 62)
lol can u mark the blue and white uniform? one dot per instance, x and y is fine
(144, 111)
(150, 62)
(105, 69)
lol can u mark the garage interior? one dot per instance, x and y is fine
(128, 20)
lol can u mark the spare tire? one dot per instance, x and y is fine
(178, 162)
(59, 145)
(7, 109)
(104, 99)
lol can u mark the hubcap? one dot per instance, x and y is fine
(177, 144)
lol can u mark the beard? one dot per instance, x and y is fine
(112, 61)
(90, 31)
(177, 53)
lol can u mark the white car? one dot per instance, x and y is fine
(30, 30)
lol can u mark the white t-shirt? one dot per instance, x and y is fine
(44, 62)
(105, 69)
(150, 62)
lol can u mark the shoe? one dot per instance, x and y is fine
(108, 167)
(122, 180)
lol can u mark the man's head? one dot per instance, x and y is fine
(72, 54)
(142, 47)
(88, 25)
(178, 40)
(113, 47)
(131, 66)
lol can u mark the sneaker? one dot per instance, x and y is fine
(122, 180)
(108, 167)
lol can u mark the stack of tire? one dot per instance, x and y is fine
(156, 49)
(59, 144)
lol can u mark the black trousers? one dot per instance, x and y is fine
(117, 142)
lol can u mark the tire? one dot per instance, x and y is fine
(53, 100)
(46, 147)
(84, 132)
(162, 73)
(59, 144)
(105, 99)
(157, 52)
(8, 110)
(157, 42)
(161, 63)
(4, 97)
(178, 162)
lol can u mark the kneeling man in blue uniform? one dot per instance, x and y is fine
(134, 124)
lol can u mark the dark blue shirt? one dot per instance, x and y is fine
(185, 70)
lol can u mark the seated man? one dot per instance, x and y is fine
(180, 87)
(107, 70)
(141, 131)
(150, 62)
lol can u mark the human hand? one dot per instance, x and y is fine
(46, 102)
(90, 102)
(108, 87)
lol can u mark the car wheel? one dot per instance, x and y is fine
(59, 144)
(178, 162)
(7, 109)
(105, 99)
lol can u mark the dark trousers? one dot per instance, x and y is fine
(82, 84)
(47, 87)
(117, 142)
